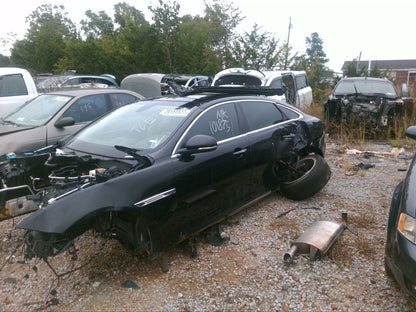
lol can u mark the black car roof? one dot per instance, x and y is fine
(200, 96)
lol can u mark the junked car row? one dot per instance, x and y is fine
(155, 166)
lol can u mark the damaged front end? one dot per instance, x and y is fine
(59, 219)
(374, 111)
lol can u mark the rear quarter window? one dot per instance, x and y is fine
(121, 99)
(261, 114)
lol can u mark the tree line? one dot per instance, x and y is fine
(170, 43)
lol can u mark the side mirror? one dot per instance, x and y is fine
(64, 122)
(411, 132)
(199, 143)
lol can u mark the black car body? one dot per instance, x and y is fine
(400, 255)
(157, 172)
(372, 101)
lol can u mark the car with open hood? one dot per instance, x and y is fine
(400, 252)
(52, 116)
(157, 172)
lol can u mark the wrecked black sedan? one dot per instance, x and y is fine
(155, 173)
(400, 253)
(373, 102)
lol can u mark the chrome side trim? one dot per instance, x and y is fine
(155, 198)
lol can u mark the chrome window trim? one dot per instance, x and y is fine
(300, 115)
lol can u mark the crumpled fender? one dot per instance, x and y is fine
(113, 195)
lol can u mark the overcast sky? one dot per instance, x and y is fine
(379, 29)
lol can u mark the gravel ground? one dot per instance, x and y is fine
(246, 272)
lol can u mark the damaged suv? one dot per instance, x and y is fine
(372, 101)
(157, 172)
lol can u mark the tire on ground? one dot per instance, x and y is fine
(314, 179)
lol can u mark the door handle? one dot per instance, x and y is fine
(240, 152)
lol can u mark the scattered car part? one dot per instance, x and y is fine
(317, 239)
(310, 174)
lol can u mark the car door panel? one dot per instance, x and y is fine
(213, 183)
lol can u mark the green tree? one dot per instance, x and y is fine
(167, 21)
(126, 14)
(223, 18)
(192, 49)
(44, 43)
(97, 25)
(314, 64)
(256, 50)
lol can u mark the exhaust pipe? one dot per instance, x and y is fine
(317, 239)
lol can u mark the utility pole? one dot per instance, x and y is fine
(287, 42)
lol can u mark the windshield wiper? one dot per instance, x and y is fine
(8, 122)
(142, 160)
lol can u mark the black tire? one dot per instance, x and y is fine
(315, 173)
(143, 236)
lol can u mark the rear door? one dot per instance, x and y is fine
(271, 135)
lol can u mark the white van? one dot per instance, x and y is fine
(16, 88)
(298, 90)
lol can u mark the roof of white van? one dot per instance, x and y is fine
(12, 70)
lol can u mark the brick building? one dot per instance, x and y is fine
(401, 70)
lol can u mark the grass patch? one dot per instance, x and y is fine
(365, 221)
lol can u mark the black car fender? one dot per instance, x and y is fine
(119, 194)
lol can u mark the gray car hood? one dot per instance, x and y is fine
(8, 128)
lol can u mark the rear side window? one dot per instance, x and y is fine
(290, 114)
(301, 81)
(12, 85)
(121, 99)
(261, 114)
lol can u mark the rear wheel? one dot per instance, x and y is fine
(309, 176)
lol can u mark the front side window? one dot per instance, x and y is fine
(87, 108)
(261, 114)
(12, 85)
(219, 122)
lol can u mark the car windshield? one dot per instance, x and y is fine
(140, 126)
(38, 111)
(365, 87)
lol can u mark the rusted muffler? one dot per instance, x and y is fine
(317, 239)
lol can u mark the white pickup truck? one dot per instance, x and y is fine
(298, 91)
(16, 87)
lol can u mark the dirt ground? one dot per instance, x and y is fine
(247, 271)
